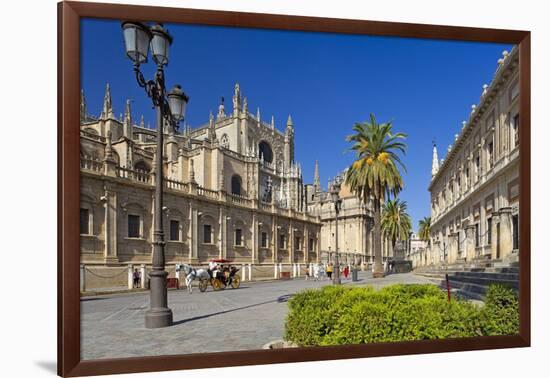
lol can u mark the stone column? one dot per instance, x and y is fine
(453, 247)
(305, 244)
(143, 275)
(470, 248)
(130, 277)
(274, 239)
(495, 242)
(250, 272)
(275, 273)
(506, 238)
(290, 242)
(193, 235)
(298, 270)
(110, 253)
(82, 278)
(254, 238)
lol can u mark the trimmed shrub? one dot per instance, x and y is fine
(501, 311)
(336, 315)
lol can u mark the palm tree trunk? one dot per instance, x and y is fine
(378, 266)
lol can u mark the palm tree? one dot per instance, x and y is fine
(424, 228)
(374, 175)
(395, 222)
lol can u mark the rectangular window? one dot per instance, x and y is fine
(174, 230)
(133, 226)
(207, 234)
(477, 234)
(515, 232)
(84, 222)
(311, 245)
(238, 237)
(515, 128)
(282, 241)
(297, 245)
(264, 239)
(489, 230)
(477, 167)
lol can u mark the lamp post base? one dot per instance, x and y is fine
(158, 318)
(158, 315)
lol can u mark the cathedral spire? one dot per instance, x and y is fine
(316, 178)
(127, 124)
(107, 111)
(289, 123)
(258, 114)
(83, 111)
(237, 99)
(435, 161)
(221, 109)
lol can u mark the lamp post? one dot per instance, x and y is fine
(334, 194)
(170, 108)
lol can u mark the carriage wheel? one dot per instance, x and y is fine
(216, 284)
(203, 285)
(236, 282)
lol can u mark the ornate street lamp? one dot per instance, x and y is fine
(170, 107)
(334, 194)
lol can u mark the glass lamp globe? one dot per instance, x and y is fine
(177, 101)
(160, 44)
(136, 39)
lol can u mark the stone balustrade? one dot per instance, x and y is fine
(93, 165)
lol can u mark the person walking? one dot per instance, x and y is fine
(346, 272)
(329, 271)
(137, 278)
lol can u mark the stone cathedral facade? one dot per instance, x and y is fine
(233, 190)
(475, 188)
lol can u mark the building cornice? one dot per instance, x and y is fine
(503, 73)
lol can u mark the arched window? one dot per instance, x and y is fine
(236, 184)
(266, 152)
(142, 166)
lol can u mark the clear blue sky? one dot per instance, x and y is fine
(327, 82)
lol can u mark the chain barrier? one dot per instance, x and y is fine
(125, 271)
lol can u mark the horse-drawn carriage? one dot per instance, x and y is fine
(222, 274)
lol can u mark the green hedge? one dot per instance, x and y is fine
(336, 315)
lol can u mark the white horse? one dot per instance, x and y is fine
(192, 274)
(318, 272)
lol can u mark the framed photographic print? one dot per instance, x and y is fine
(256, 188)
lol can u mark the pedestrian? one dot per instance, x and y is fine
(346, 272)
(307, 274)
(137, 278)
(329, 271)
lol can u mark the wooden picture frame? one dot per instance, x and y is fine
(69, 15)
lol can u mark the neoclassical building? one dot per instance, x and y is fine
(233, 190)
(475, 188)
(355, 224)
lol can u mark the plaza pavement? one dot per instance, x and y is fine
(227, 320)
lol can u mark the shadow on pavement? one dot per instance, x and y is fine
(281, 299)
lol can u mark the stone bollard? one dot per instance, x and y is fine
(82, 278)
(130, 277)
(143, 275)
(250, 272)
(177, 274)
(243, 270)
(298, 270)
(275, 273)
